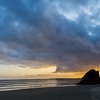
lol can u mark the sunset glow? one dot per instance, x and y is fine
(15, 72)
(49, 38)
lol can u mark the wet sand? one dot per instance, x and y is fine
(53, 93)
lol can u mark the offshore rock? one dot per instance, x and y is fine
(91, 77)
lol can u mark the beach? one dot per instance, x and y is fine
(51, 93)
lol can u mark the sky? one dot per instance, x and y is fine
(49, 38)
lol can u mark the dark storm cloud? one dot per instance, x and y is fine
(50, 32)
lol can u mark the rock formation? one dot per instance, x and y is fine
(91, 77)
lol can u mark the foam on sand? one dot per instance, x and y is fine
(96, 93)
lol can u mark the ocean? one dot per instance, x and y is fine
(8, 85)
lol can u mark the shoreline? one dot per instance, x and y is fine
(79, 92)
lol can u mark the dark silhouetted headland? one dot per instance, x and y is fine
(91, 77)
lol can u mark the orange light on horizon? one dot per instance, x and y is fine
(48, 71)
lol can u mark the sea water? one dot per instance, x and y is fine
(7, 85)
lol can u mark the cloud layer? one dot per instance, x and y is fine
(64, 33)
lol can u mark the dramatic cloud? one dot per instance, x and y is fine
(64, 33)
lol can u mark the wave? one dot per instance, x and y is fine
(6, 85)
